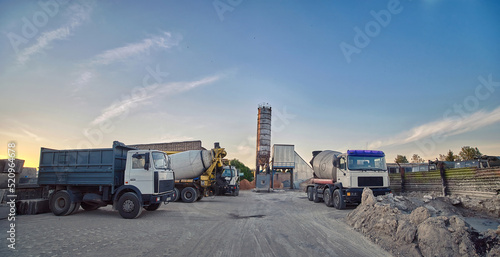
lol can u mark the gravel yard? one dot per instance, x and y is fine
(252, 224)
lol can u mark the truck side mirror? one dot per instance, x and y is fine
(146, 163)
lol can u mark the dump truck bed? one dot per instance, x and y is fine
(93, 167)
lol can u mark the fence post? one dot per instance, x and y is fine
(443, 176)
(402, 172)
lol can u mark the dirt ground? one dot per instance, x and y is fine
(251, 224)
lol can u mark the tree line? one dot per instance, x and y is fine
(466, 154)
(247, 173)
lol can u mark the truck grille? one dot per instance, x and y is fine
(166, 185)
(370, 181)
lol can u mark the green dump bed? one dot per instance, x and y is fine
(83, 167)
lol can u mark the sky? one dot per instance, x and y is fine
(405, 77)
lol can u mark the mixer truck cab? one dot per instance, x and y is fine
(229, 181)
(340, 178)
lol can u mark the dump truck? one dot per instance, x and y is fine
(196, 173)
(127, 178)
(339, 178)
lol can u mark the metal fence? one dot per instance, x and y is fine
(480, 183)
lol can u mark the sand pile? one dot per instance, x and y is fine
(246, 185)
(406, 227)
(278, 185)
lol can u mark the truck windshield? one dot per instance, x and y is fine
(366, 163)
(160, 160)
(227, 173)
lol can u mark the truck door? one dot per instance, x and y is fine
(343, 175)
(139, 176)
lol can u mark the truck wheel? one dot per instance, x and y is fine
(189, 195)
(310, 195)
(89, 207)
(77, 207)
(327, 197)
(177, 195)
(316, 199)
(129, 206)
(237, 192)
(60, 203)
(152, 207)
(338, 200)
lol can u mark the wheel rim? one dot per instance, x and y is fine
(326, 196)
(128, 205)
(188, 195)
(60, 202)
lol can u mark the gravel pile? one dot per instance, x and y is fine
(422, 226)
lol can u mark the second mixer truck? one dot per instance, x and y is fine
(196, 173)
(339, 178)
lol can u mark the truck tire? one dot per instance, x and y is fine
(60, 203)
(237, 192)
(316, 199)
(310, 195)
(76, 208)
(152, 207)
(338, 200)
(177, 195)
(189, 194)
(327, 197)
(129, 206)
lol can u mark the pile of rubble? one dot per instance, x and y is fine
(422, 226)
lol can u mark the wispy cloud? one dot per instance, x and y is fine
(164, 40)
(33, 135)
(82, 80)
(79, 13)
(154, 91)
(443, 128)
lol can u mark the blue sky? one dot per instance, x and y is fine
(403, 76)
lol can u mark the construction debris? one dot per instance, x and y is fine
(32, 206)
(421, 226)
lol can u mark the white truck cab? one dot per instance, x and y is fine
(148, 170)
(362, 168)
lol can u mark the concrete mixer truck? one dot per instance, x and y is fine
(339, 178)
(196, 173)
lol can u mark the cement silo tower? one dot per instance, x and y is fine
(263, 137)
